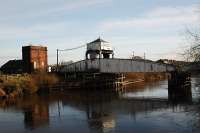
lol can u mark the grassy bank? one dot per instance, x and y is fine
(18, 85)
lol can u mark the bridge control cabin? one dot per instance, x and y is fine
(99, 49)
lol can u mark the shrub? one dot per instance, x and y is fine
(26, 84)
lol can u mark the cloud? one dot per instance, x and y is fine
(155, 47)
(81, 4)
(158, 32)
(160, 17)
(30, 9)
(51, 22)
(26, 20)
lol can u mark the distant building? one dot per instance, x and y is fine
(34, 58)
(176, 63)
(12, 67)
(137, 58)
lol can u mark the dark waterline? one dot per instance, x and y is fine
(142, 109)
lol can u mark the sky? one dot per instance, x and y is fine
(154, 27)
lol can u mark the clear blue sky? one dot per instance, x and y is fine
(155, 27)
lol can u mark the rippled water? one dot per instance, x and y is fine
(141, 109)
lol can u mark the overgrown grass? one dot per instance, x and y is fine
(15, 85)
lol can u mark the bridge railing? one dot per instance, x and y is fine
(117, 66)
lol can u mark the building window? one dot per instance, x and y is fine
(42, 63)
(35, 65)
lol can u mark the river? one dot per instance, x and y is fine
(145, 108)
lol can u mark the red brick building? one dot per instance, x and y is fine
(34, 58)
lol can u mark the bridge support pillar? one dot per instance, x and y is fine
(179, 86)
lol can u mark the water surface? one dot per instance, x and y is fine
(141, 109)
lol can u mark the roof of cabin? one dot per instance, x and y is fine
(99, 40)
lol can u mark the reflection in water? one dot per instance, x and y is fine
(96, 106)
(36, 115)
(180, 94)
(142, 109)
(99, 119)
(148, 90)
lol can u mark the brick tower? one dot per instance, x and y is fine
(34, 59)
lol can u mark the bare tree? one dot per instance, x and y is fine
(193, 36)
(193, 53)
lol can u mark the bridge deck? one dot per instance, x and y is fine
(117, 66)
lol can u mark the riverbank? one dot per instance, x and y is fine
(12, 86)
